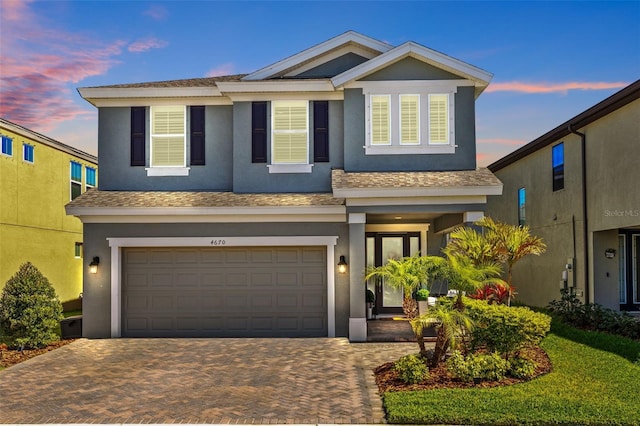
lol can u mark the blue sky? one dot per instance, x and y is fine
(550, 60)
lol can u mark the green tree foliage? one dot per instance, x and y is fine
(30, 311)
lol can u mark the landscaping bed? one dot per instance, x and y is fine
(9, 357)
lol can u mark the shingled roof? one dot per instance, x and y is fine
(388, 180)
(150, 199)
(188, 82)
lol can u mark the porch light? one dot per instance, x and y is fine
(342, 265)
(93, 266)
(610, 253)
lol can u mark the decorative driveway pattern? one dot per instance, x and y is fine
(239, 381)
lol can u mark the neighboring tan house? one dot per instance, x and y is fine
(38, 177)
(250, 205)
(579, 182)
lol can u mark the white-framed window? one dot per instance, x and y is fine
(409, 119)
(168, 141)
(76, 179)
(90, 177)
(77, 250)
(27, 152)
(290, 137)
(7, 146)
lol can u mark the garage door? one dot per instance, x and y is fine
(224, 292)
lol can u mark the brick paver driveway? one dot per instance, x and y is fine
(199, 381)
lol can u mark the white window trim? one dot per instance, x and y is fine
(72, 181)
(86, 178)
(450, 119)
(11, 143)
(395, 90)
(400, 119)
(288, 167)
(117, 244)
(390, 117)
(181, 170)
(24, 146)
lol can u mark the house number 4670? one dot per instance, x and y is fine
(218, 242)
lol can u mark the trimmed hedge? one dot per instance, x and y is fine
(505, 329)
(411, 369)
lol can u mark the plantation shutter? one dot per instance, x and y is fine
(197, 135)
(439, 119)
(138, 137)
(168, 136)
(321, 131)
(409, 119)
(380, 129)
(289, 140)
(259, 132)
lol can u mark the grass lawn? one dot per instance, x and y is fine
(594, 382)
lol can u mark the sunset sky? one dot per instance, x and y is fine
(550, 60)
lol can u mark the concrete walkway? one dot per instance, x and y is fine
(239, 381)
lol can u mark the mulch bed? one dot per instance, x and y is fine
(439, 378)
(9, 357)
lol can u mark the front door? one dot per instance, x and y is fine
(629, 270)
(380, 248)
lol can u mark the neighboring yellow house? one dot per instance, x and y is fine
(38, 176)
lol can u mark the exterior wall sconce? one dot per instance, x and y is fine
(610, 253)
(93, 266)
(342, 265)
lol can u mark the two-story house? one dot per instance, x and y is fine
(250, 205)
(38, 177)
(576, 186)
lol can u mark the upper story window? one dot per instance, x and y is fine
(7, 145)
(76, 179)
(168, 141)
(414, 121)
(522, 201)
(289, 137)
(557, 163)
(90, 174)
(27, 153)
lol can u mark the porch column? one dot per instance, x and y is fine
(357, 316)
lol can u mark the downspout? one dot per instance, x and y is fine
(585, 229)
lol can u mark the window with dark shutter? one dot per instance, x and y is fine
(138, 138)
(197, 135)
(259, 132)
(321, 131)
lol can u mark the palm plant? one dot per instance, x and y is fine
(452, 325)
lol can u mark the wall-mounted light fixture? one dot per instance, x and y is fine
(93, 266)
(610, 253)
(342, 265)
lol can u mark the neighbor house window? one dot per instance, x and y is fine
(7, 145)
(410, 123)
(90, 174)
(557, 162)
(27, 153)
(289, 132)
(76, 179)
(522, 199)
(78, 250)
(168, 139)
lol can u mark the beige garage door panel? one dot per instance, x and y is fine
(240, 291)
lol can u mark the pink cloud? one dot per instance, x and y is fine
(483, 159)
(517, 86)
(157, 12)
(39, 66)
(224, 69)
(501, 142)
(146, 44)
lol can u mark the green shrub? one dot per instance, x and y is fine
(592, 316)
(411, 369)
(505, 329)
(30, 311)
(422, 294)
(522, 368)
(477, 366)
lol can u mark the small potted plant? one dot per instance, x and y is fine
(371, 300)
(422, 295)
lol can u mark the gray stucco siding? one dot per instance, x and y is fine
(355, 159)
(114, 143)
(97, 288)
(251, 177)
(334, 67)
(410, 69)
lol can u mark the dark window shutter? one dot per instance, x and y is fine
(321, 131)
(197, 135)
(138, 138)
(259, 132)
